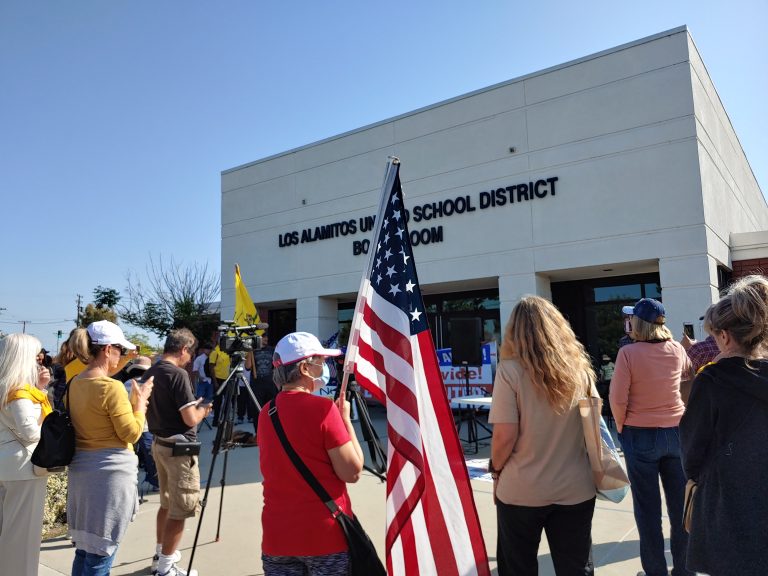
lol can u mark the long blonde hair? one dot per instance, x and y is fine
(540, 338)
(18, 363)
(66, 354)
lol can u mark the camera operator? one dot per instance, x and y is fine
(219, 362)
(173, 416)
(260, 363)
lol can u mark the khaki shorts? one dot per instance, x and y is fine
(179, 478)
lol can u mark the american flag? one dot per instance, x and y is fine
(432, 523)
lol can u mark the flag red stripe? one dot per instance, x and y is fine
(397, 392)
(410, 552)
(403, 514)
(439, 537)
(372, 387)
(393, 340)
(406, 449)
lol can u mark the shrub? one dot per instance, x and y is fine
(55, 513)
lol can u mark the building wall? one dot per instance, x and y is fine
(622, 132)
(749, 253)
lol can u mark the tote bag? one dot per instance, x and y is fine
(610, 476)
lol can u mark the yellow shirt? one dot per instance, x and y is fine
(74, 368)
(220, 361)
(102, 414)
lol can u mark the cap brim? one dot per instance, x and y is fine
(127, 345)
(327, 352)
(628, 310)
(330, 352)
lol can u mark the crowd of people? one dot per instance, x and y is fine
(125, 408)
(712, 438)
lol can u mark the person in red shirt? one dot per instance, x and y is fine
(321, 432)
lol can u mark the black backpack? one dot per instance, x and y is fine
(56, 447)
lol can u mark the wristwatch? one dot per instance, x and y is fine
(494, 473)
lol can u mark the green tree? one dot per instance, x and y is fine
(102, 308)
(92, 313)
(105, 297)
(175, 296)
(145, 347)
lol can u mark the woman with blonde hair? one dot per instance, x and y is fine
(23, 406)
(647, 407)
(724, 431)
(102, 497)
(541, 472)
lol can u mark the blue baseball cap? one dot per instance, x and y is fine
(650, 310)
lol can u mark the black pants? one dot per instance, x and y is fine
(245, 404)
(265, 391)
(569, 533)
(218, 400)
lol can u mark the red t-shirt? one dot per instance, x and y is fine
(295, 522)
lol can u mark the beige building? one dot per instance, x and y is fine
(594, 183)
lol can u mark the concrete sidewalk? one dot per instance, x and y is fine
(237, 553)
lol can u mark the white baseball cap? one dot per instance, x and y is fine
(105, 332)
(300, 345)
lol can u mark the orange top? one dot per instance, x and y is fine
(645, 389)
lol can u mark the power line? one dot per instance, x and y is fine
(66, 320)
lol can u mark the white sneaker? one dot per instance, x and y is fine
(176, 571)
(156, 559)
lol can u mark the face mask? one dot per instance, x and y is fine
(323, 379)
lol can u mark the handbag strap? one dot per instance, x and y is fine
(299, 463)
(64, 403)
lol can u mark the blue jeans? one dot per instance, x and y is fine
(87, 564)
(205, 390)
(650, 453)
(145, 453)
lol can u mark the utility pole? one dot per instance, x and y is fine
(24, 325)
(79, 310)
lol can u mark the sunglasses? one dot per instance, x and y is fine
(123, 351)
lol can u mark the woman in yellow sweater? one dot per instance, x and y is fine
(103, 495)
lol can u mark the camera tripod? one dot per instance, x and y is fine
(378, 465)
(223, 442)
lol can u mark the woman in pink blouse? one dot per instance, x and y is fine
(646, 404)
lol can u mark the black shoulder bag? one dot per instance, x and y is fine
(56, 447)
(363, 559)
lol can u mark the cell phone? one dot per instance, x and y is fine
(688, 329)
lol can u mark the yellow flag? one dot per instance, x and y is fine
(245, 311)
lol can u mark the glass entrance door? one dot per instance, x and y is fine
(593, 307)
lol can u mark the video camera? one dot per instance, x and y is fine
(235, 339)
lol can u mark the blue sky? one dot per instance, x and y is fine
(116, 118)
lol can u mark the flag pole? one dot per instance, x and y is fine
(390, 173)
